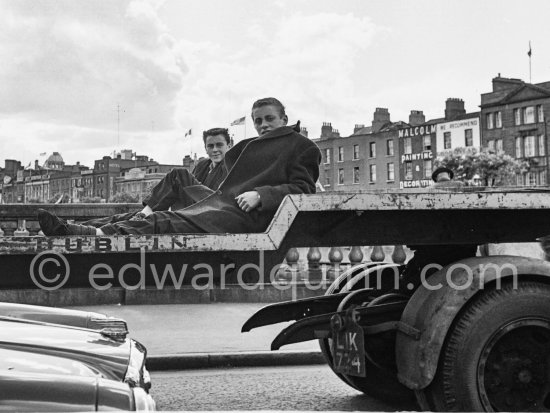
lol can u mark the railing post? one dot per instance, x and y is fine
(289, 273)
(398, 256)
(21, 230)
(335, 257)
(377, 254)
(314, 272)
(355, 256)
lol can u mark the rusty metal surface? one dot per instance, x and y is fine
(127, 243)
(432, 311)
(344, 219)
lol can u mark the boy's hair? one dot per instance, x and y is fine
(214, 132)
(270, 101)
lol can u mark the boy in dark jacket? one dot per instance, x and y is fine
(261, 171)
(180, 188)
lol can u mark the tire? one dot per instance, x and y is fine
(381, 379)
(496, 356)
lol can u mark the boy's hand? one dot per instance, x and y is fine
(248, 201)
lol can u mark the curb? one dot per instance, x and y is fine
(189, 361)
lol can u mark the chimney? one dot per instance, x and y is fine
(303, 131)
(416, 118)
(380, 118)
(358, 127)
(36, 167)
(326, 130)
(453, 108)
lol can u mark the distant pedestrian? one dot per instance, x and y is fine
(443, 179)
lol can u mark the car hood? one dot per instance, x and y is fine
(50, 348)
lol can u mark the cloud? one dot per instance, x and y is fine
(72, 62)
(308, 61)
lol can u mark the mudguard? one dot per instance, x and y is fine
(432, 308)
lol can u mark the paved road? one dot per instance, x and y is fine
(278, 388)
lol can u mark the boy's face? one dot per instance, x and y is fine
(216, 147)
(267, 118)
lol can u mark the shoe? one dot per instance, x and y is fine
(55, 226)
(50, 224)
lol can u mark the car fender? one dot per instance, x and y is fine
(433, 308)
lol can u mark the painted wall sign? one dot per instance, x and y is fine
(417, 131)
(419, 183)
(407, 157)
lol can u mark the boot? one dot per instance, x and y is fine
(52, 225)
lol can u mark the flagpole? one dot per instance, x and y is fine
(530, 81)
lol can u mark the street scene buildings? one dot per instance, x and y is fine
(383, 155)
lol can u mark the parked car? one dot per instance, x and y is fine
(69, 360)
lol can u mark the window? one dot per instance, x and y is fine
(498, 119)
(407, 145)
(327, 155)
(340, 176)
(447, 140)
(491, 145)
(540, 113)
(389, 147)
(327, 178)
(529, 114)
(408, 170)
(517, 117)
(356, 175)
(372, 170)
(427, 168)
(498, 146)
(542, 178)
(531, 179)
(355, 152)
(426, 143)
(529, 146)
(469, 137)
(542, 145)
(372, 149)
(519, 146)
(490, 117)
(391, 172)
(340, 154)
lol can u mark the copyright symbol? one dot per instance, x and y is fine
(51, 280)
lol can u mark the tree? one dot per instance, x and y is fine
(124, 198)
(493, 169)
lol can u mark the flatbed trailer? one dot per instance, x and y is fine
(479, 341)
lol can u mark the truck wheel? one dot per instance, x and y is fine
(496, 356)
(381, 380)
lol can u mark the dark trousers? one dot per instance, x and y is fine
(178, 189)
(160, 222)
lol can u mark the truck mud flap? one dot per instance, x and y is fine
(319, 326)
(293, 310)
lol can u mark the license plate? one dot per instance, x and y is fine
(349, 351)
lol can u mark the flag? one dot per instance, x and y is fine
(188, 133)
(529, 52)
(43, 154)
(28, 166)
(239, 121)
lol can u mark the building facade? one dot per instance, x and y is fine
(514, 119)
(364, 160)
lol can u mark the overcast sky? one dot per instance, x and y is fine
(175, 65)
